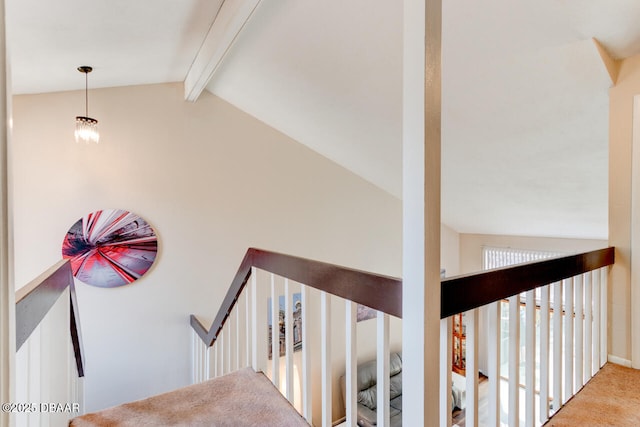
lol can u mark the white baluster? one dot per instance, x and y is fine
(514, 360)
(275, 334)
(578, 285)
(238, 310)
(603, 316)
(471, 410)
(222, 350)
(544, 353)
(207, 364)
(588, 327)
(382, 369)
(247, 321)
(493, 357)
(557, 345)
(325, 326)
(198, 361)
(568, 339)
(530, 358)
(351, 362)
(306, 361)
(201, 361)
(288, 328)
(228, 344)
(254, 319)
(597, 313)
(216, 370)
(259, 331)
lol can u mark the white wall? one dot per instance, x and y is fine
(212, 181)
(449, 250)
(624, 325)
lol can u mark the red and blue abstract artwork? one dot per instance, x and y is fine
(110, 248)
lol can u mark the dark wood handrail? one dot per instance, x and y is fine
(462, 293)
(34, 301)
(458, 294)
(379, 292)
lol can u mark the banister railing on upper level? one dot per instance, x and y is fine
(49, 354)
(34, 300)
(462, 293)
(318, 282)
(458, 294)
(587, 309)
(560, 305)
(372, 290)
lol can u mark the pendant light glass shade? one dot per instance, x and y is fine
(86, 127)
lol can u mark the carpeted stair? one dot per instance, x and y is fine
(239, 399)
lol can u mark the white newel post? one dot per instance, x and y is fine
(421, 211)
(7, 291)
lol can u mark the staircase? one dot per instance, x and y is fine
(567, 295)
(242, 398)
(558, 305)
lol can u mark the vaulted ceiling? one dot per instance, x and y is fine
(525, 91)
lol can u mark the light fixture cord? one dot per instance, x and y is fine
(86, 94)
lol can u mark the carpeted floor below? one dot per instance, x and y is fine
(611, 398)
(241, 399)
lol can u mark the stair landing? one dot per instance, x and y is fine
(240, 399)
(611, 398)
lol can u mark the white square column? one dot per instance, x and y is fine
(421, 211)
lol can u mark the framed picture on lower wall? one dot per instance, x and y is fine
(281, 326)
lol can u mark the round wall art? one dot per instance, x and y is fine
(110, 248)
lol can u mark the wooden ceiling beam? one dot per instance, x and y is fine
(227, 25)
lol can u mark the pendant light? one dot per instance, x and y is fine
(86, 127)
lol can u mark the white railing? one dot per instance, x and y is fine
(304, 344)
(543, 344)
(49, 388)
(310, 352)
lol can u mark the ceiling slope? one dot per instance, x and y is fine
(525, 91)
(126, 42)
(328, 74)
(525, 101)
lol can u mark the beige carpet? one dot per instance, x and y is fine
(240, 399)
(611, 398)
